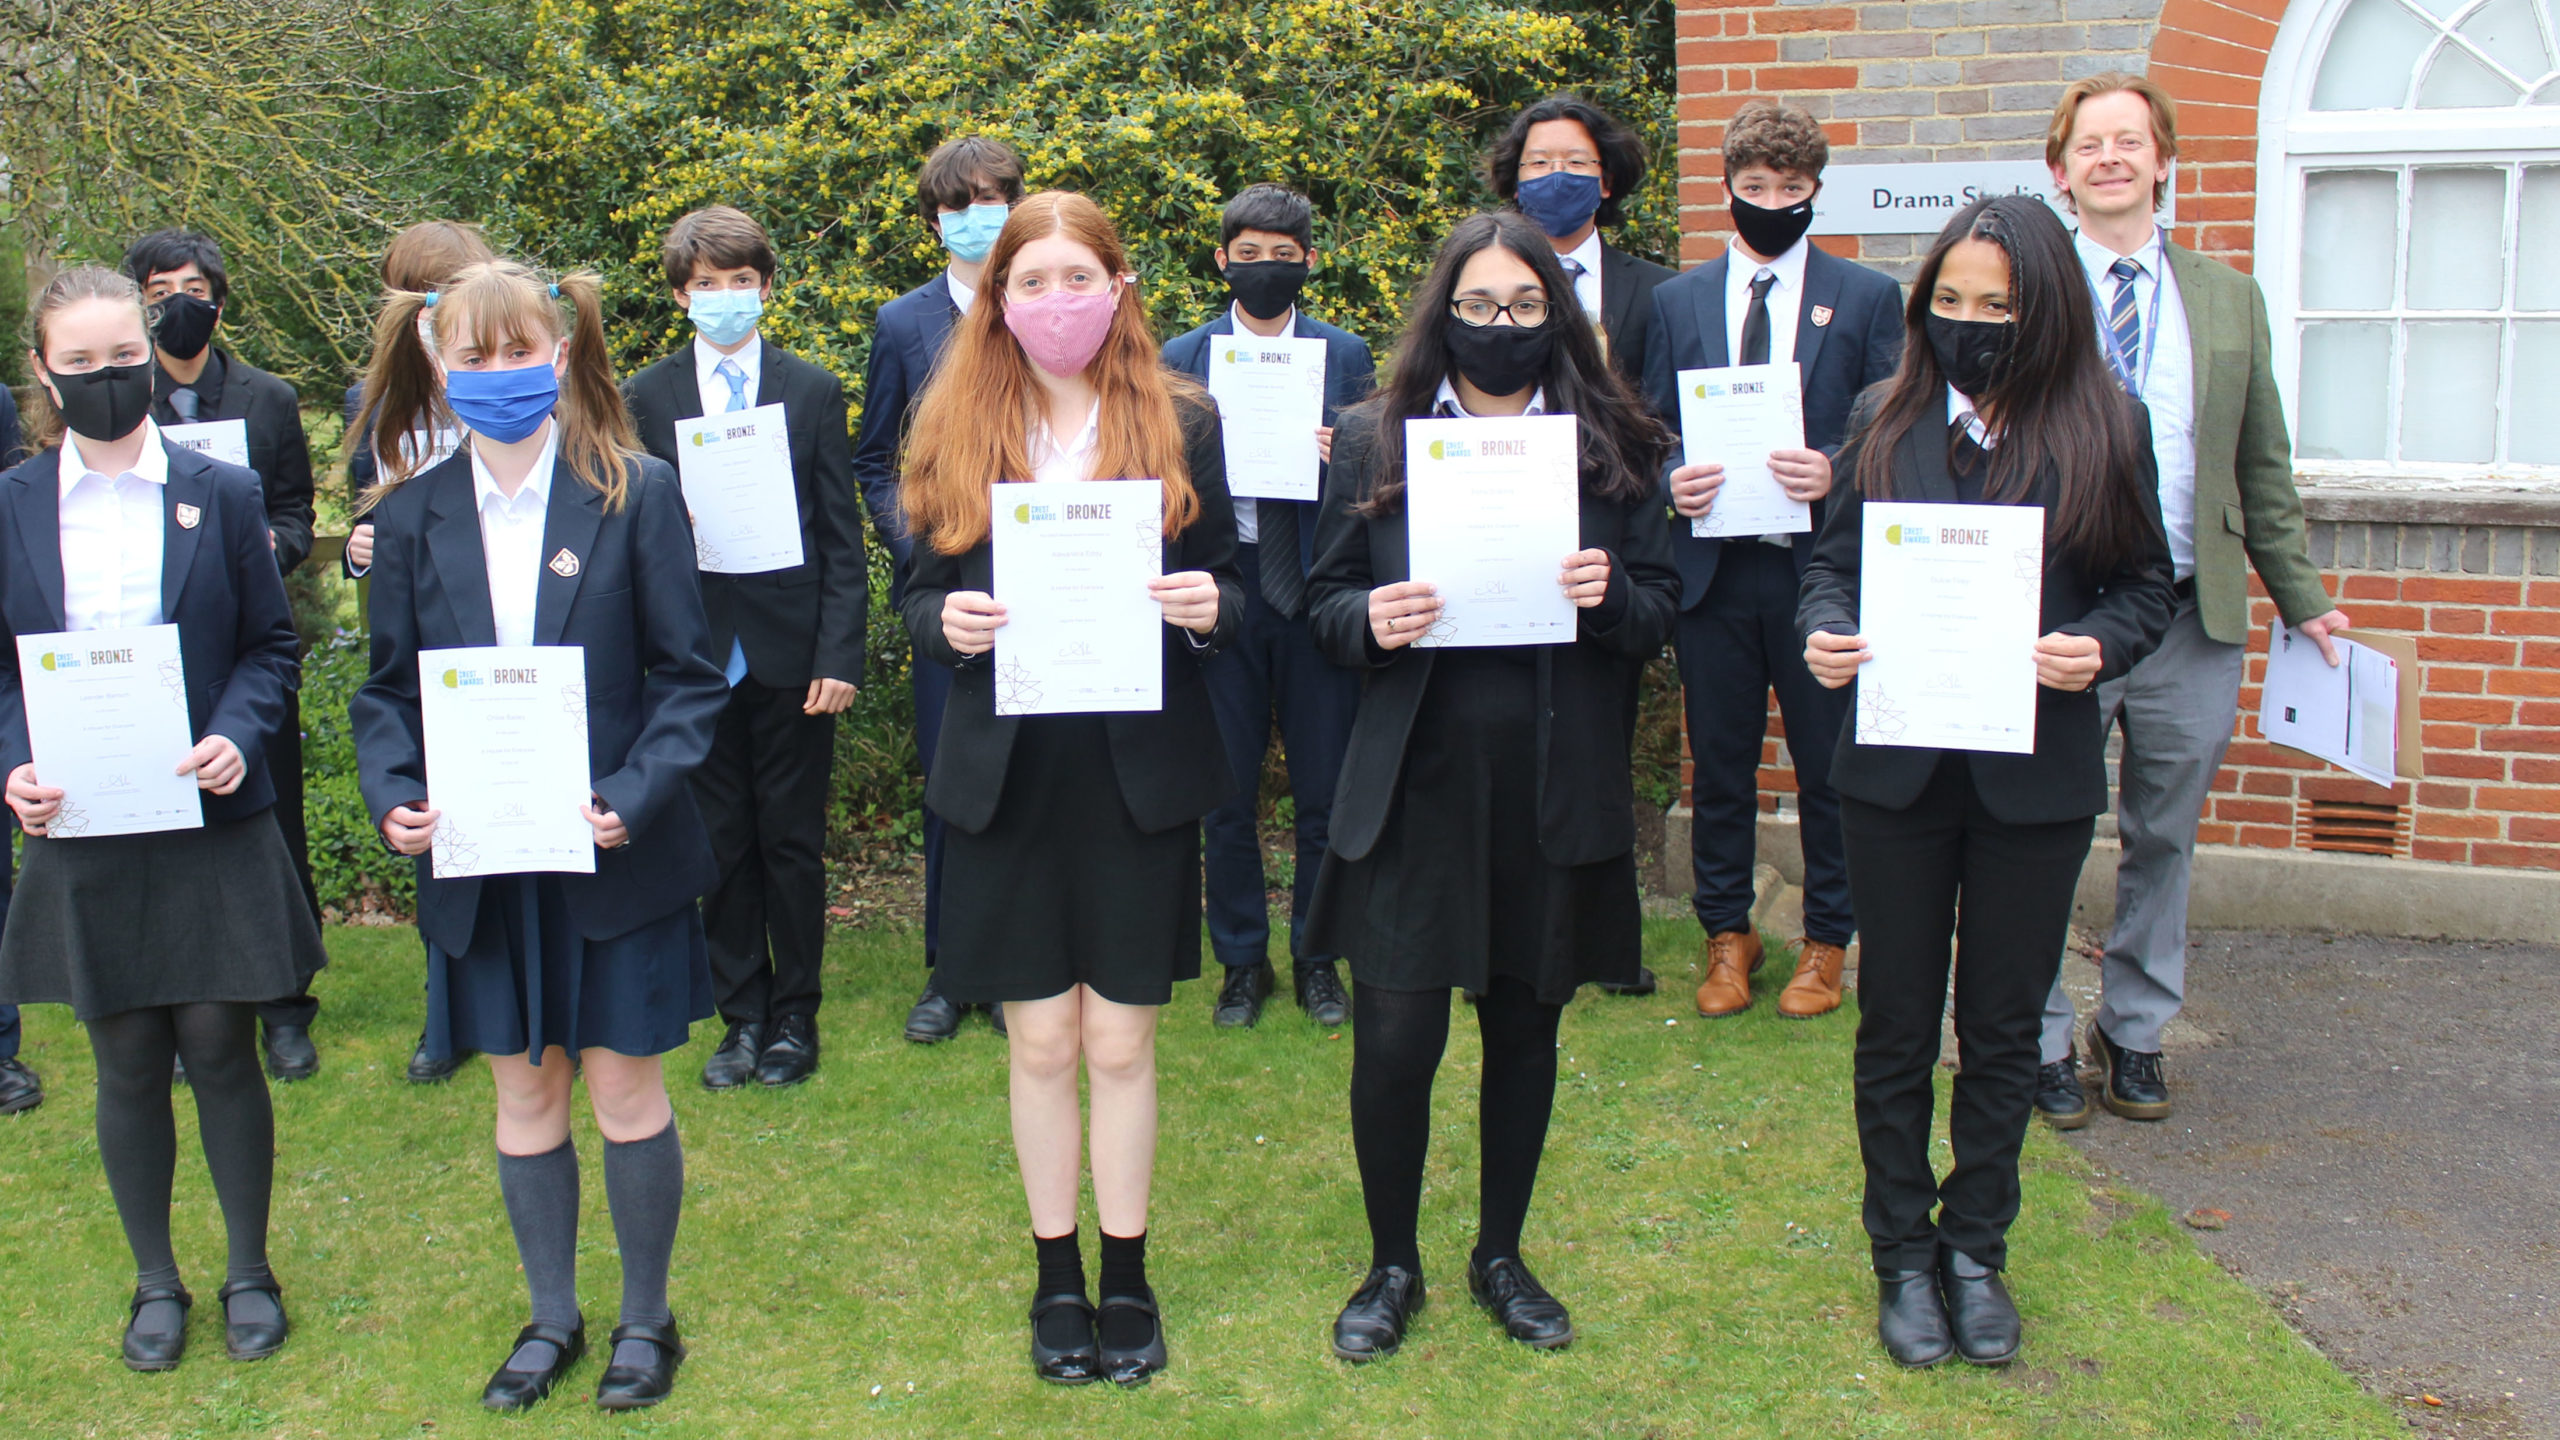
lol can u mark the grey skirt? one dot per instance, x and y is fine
(175, 917)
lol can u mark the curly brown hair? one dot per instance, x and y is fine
(1781, 137)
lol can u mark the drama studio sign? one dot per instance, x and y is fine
(1920, 197)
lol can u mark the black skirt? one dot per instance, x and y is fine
(112, 923)
(1062, 888)
(530, 981)
(1455, 892)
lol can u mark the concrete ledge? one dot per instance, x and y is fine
(2246, 888)
(2536, 509)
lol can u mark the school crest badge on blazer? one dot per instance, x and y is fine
(564, 564)
(189, 517)
(1821, 316)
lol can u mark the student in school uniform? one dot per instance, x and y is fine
(1484, 834)
(964, 192)
(1773, 297)
(183, 280)
(20, 1087)
(1072, 889)
(2001, 399)
(1569, 166)
(791, 641)
(551, 528)
(160, 941)
(1273, 675)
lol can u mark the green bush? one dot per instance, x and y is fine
(353, 870)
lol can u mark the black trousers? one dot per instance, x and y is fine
(930, 683)
(1943, 869)
(763, 792)
(284, 766)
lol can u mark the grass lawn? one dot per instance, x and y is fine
(855, 1259)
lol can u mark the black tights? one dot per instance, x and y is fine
(1397, 1037)
(138, 1133)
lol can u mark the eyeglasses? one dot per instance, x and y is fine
(1571, 164)
(1478, 313)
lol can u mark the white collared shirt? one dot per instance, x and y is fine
(1447, 406)
(715, 388)
(1960, 411)
(1586, 286)
(2167, 371)
(1786, 299)
(963, 294)
(1072, 460)
(1249, 519)
(114, 531)
(511, 537)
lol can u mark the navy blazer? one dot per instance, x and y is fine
(1843, 301)
(279, 450)
(1627, 283)
(654, 694)
(907, 340)
(1349, 372)
(218, 584)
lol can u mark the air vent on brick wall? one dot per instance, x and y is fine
(2354, 826)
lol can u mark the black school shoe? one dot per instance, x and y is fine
(1320, 992)
(1372, 1324)
(290, 1054)
(1506, 1289)
(255, 1339)
(1077, 1363)
(2061, 1102)
(637, 1387)
(1136, 1365)
(2133, 1087)
(1911, 1318)
(509, 1391)
(1240, 998)
(1643, 984)
(791, 1056)
(733, 1063)
(149, 1353)
(1979, 1311)
(19, 1087)
(425, 1069)
(934, 1019)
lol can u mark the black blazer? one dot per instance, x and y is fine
(907, 341)
(654, 693)
(218, 585)
(1586, 809)
(278, 449)
(1627, 283)
(1848, 337)
(1172, 763)
(807, 622)
(2126, 612)
(13, 440)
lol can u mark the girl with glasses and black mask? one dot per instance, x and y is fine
(1483, 834)
(2001, 399)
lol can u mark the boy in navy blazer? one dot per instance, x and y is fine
(1274, 672)
(966, 189)
(1771, 298)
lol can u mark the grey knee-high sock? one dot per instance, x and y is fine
(542, 1207)
(644, 1181)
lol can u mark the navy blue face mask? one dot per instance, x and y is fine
(505, 405)
(1559, 202)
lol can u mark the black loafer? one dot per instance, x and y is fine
(792, 1055)
(933, 1019)
(1372, 1325)
(2060, 1100)
(149, 1353)
(1528, 1313)
(734, 1063)
(1076, 1364)
(637, 1387)
(995, 1020)
(1320, 993)
(425, 1069)
(1911, 1318)
(290, 1054)
(1979, 1310)
(1643, 984)
(1139, 1365)
(19, 1087)
(1240, 997)
(256, 1339)
(2133, 1087)
(514, 1390)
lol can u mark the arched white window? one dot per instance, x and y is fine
(2408, 237)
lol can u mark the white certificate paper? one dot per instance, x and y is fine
(1734, 417)
(226, 440)
(2348, 714)
(736, 472)
(1492, 509)
(107, 719)
(1948, 599)
(506, 731)
(1270, 396)
(1082, 632)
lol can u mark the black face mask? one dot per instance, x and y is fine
(106, 403)
(1500, 359)
(182, 325)
(1972, 354)
(1771, 233)
(1266, 288)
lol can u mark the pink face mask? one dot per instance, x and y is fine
(1062, 332)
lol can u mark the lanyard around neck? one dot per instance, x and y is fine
(2116, 361)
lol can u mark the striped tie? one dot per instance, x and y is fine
(2125, 319)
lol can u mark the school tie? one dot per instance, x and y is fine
(183, 402)
(1755, 320)
(2125, 319)
(1284, 582)
(728, 370)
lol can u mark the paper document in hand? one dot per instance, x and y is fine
(736, 473)
(225, 440)
(107, 720)
(1082, 631)
(1492, 508)
(1270, 395)
(1734, 416)
(506, 743)
(2347, 714)
(1948, 601)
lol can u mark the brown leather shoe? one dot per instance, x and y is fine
(1733, 957)
(1816, 988)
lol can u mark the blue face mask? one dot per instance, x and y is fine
(969, 234)
(505, 405)
(1559, 202)
(724, 317)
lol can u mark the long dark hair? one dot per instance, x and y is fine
(1621, 152)
(2057, 404)
(1622, 444)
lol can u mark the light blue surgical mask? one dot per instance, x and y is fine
(725, 317)
(969, 234)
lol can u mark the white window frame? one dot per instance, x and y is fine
(2293, 139)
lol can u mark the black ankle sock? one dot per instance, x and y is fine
(1061, 1273)
(1124, 1275)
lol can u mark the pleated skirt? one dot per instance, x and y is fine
(530, 981)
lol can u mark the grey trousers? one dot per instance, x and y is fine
(2175, 712)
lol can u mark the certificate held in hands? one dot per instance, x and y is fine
(1082, 632)
(1949, 597)
(1492, 508)
(736, 473)
(506, 742)
(1734, 416)
(107, 720)
(1270, 395)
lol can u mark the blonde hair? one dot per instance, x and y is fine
(2164, 120)
(86, 282)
